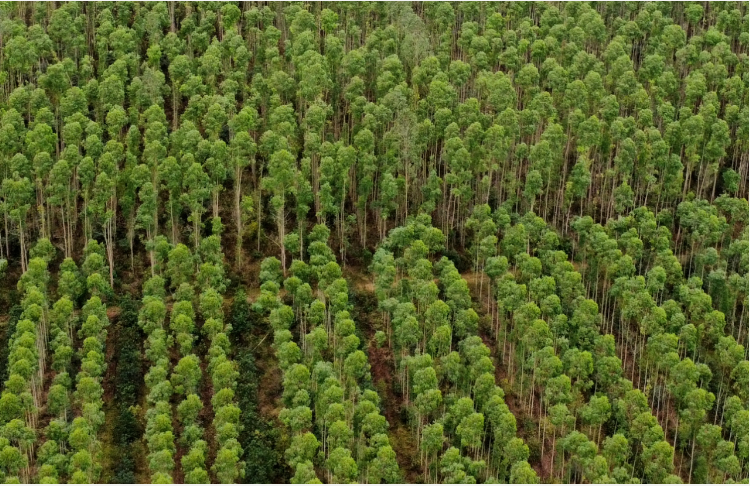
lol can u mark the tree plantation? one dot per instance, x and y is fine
(374, 242)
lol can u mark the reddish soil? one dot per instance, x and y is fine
(667, 417)
(270, 388)
(112, 314)
(543, 466)
(401, 437)
(206, 419)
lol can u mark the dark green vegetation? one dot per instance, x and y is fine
(127, 382)
(374, 242)
(8, 329)
(258, 437)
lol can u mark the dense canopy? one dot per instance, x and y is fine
(382, 242)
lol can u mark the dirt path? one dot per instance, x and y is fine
(369, 321)
(110, 410)
(270, 387)
(399, 434)
(541, 459)
(206, 420)
(666, 417)
(112, 450)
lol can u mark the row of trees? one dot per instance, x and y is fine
(674, 331)
(227, 465)
(85, 461)
(326, 381)
(664, 336)
(122, 126)
(187, 376)
(21, 396)
(72, 449)
(186, 380)
(52, 463)
(422, 329)
(561, 359)
(159, 432)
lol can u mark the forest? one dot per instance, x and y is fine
(374, 242)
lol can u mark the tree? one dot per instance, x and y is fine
(302, 449)
(196, 191)
(180, 266)
(657, 460)
(227, 465)
(431, 444)
(698, 402)
(384, 468)
(596, 413)
(186, 375)
(521, 473)
(279, 181)
(304, 473)
(18, 193)
(342, 467)
(471, 430)
(242, 148)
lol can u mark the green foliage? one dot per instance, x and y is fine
(127, 430)
(590, 159)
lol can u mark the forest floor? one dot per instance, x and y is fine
(527, 423)
(369, 321)
(667, 417)
(269, 394)
(270, 387)
(110, 450)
